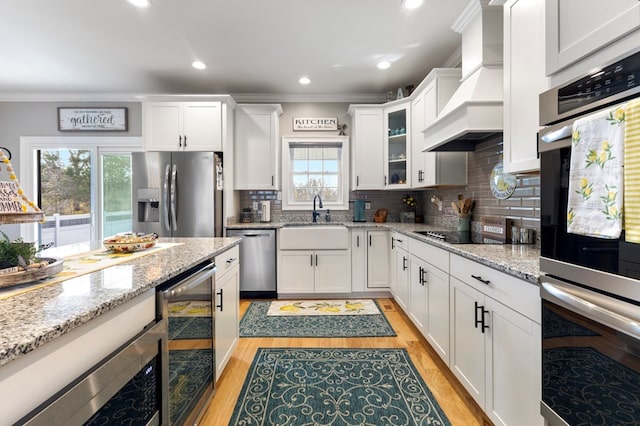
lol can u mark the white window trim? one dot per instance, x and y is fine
(96, 144)
(343, 203)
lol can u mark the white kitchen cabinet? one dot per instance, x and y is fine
(576, 29)
(434, 168)
(320, 271)
(400, 270)
(495, 341)
(367, 148)
(227, 298)
(378, 255)
(257, 149)
(183, 126)
(358, 260)
(397, 146)
(524, 80)
(429, 294)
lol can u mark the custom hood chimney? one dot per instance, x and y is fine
(474, 112)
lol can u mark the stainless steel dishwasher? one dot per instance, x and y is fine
(257, 262)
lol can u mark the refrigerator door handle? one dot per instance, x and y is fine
(165, 206)
(174, 221)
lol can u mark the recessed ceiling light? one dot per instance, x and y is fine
(198, 65)
(383, 65)
(140, 3)
(304, 80)
(412, 4)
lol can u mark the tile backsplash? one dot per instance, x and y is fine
(523, 207)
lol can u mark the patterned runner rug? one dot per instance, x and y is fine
(256, 323)
(290, 386)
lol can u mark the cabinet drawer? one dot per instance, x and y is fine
(521, 296)
(430, 254)
(399, 241)
(227, 260)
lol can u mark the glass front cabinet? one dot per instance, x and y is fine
(397, 148)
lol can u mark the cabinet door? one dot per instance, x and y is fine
(577, 28)
(297, 271)
(226, 316)
(377, 259)
(436, 328)
(467, 341)
(525, 79)
(368, 150)
(358, 260)
(418, 293)
(256, 153)
(417, 126)
(513, 368)
(397, 148)
(163, 126)
(202, 126)
(333, 271)
(401, 282)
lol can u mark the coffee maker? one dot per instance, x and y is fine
(265, 209)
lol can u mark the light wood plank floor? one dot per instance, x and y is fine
(454, 400)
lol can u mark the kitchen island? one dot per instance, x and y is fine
(41, 325)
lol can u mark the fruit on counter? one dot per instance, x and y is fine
(131, 238)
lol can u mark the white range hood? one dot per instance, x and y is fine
(474, 113)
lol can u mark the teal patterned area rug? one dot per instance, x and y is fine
(291, 386)
(256, 323)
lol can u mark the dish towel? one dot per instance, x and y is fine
(595, 175)
(632, 173)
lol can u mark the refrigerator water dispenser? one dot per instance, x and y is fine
(148, 205)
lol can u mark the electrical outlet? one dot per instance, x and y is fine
(367, 205)
(255, 205)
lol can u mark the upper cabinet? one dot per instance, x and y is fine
(576, 29)
(524, 80)
(183, 126)
(434, 168)
(367, 147)
(397, 146)
(257, 150)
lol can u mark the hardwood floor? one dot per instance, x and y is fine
(457, 404)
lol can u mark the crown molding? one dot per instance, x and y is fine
(294, 97)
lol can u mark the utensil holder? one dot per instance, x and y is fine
(464, 222)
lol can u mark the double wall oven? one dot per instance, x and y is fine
(590, 287)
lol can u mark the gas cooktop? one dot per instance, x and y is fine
(458, 237)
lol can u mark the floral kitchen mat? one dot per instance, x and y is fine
(81, 264)
(323, 307)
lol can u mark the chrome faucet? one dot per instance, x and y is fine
(316, 213)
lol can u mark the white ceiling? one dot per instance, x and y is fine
(252, 48)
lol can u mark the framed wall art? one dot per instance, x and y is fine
(78, 119)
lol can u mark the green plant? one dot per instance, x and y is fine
(10, 250)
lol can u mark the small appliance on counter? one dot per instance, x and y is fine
(246, 216)
(265, 208)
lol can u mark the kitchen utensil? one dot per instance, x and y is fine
(467, 206)
(455, 207)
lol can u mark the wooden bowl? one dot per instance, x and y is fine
(54, 265)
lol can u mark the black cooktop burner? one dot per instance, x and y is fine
(458, 237)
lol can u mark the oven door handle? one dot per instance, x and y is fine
(614, 313)
(557, 134)
(194, 280)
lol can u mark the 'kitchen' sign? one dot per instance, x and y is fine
(315, 123)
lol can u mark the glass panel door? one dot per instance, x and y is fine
(116, 212)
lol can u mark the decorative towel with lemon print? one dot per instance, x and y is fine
(323, 307)
(596, 175)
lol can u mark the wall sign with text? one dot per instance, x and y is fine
(315, 123)
(92, 119)
(9, 198)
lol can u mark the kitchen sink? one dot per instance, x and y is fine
(314, 237)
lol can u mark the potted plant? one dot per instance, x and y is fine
(10, 250)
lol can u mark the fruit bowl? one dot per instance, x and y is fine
(130, 242)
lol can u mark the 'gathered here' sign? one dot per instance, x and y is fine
(92, 119)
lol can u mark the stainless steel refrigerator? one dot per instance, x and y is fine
(177, 194)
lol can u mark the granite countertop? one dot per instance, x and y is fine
(518, 260)
(33, 318)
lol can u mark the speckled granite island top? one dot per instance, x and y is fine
(521, 261)
(31, 319)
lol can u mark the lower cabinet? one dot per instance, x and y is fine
(400, 270)
(227, 298)
(378, 259)
(495, 350)
(320, 271)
